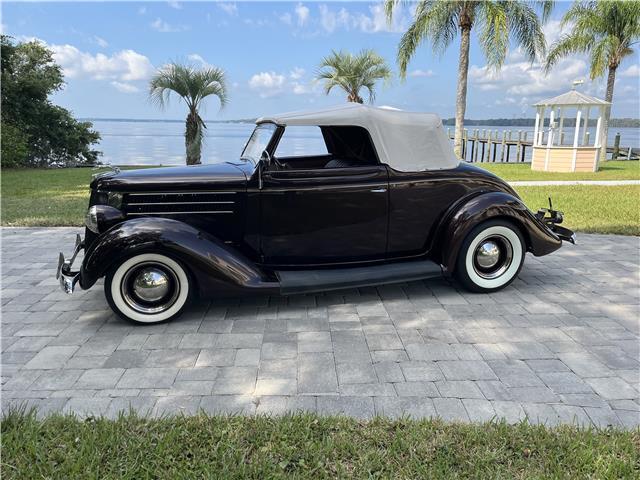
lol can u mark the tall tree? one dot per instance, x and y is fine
(192, 86)
(352, 73)
(496, 22)
(35, 132)
(605, 30)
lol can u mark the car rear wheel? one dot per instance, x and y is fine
(148, 288)
(491, 256)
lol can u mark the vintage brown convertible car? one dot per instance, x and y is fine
(388, 202)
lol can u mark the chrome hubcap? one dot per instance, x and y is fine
(150, 287)
(151, 284)
(488, 254)
(492, 257)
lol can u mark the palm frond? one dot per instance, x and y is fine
(351, 72)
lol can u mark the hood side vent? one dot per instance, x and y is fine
(179, 203)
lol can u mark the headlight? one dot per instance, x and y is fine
(113, 199)
(91, 220)
(102, 217)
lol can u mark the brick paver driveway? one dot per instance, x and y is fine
(560, 345)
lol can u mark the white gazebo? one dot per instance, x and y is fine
(557, 148)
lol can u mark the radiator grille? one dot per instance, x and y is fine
(179, 203)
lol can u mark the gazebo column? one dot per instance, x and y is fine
(597, 141)
(586, 127)
(549, 139)
(576, 138)
(537, 127)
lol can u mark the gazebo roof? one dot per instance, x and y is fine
(571, 98)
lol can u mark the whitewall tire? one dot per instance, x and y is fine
(491, 256)
(148, 288)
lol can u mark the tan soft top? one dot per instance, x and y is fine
(405, 141)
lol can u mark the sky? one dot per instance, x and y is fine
(270, 52)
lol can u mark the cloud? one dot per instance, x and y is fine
(161, 26)
(100, 41)
(271, 84)
(421, 73)
(374, 22)
(286, 18)
(123, 66)
(297, 73)
(267, 83)
(230, 9)
(330, 19)
(174, 4)
(302, 13)
(142, 11)
(125, 87)
(631, 71)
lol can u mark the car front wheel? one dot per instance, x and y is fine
(490, 257)
(148, 288)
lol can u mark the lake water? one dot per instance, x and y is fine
(162, 143)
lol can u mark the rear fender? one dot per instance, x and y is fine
(488, 206)
(213, 263)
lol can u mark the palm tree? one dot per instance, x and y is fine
(351, 73)
(496, 22)
(606, 31)
(193, 86)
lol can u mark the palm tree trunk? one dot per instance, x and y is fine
(193, 138)
(611, 80)
(461, 94)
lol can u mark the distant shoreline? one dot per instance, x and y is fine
(502, 122)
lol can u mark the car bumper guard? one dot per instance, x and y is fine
(552, 220)
(67, 277)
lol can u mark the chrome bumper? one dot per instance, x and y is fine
(67, 277)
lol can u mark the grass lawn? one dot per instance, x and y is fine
(611, 170)
(591, 209)
(60, 197)
(308, 446)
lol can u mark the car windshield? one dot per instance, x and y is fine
(258, 142)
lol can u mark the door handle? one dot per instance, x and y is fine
(378, 190)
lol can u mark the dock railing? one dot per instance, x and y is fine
(486, 145)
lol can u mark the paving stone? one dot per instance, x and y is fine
(357, 407)
(216, 358)
(126, 359)
(247, 357)
(421, 371)
(613, 388)
(280, 350)
(451, 409)
(284, 368)
(276, 386)
(572, 415)
(479, 410)
(317, 373)
(355, 372)
(198, 340)
(603, 417)
(172, 358)
(540, 413)
(511, 412)
(459, 389)
(99, 378)
(176, 405)
(50, 358)
(143, 406)
(431, 351)
(413, 407)
(314, 342)
(228, 405)
(148, 378)
(277, 405)
(467, 370)
(388, 372)
(416, 389)
(87, 407)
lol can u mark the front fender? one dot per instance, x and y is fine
(211, 261)
(456, 226)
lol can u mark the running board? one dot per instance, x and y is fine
(304, 281)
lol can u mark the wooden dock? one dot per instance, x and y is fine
(487, 145)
